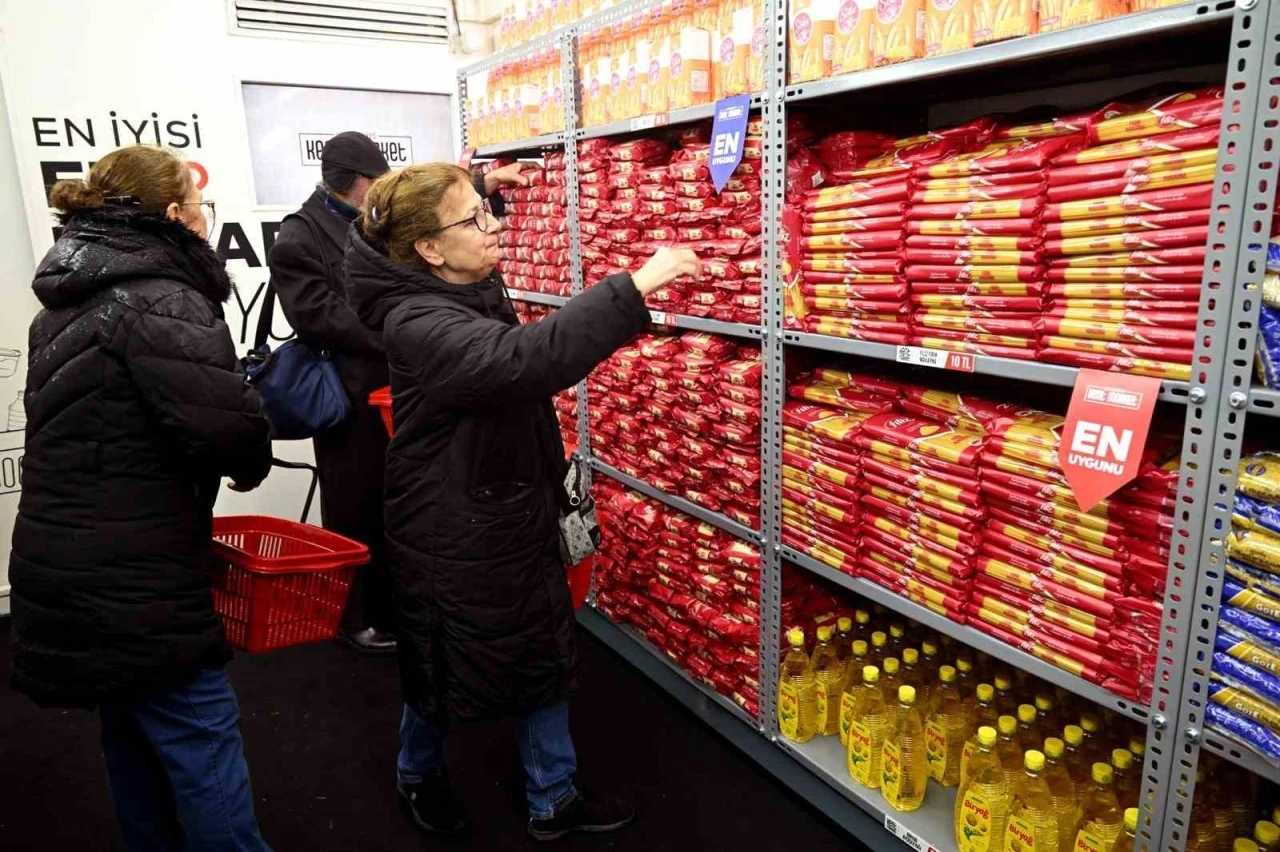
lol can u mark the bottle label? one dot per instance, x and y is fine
(846, 717)
(891, 774)
(1087, 841)
(788, 711)
(935, 743)
(965, 754)
(974, 828)
(1019, 835)
(822, 707)
(861, 760)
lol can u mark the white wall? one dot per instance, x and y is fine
(83, 60)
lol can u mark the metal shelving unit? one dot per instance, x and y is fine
(1216, 401)
(535, 143)
(537, 298)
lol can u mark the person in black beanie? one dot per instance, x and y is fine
(307, 276)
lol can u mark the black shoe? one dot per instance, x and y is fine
(433, 808)
(594, 815)
(368, 640)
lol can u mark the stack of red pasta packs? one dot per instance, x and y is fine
(1127, 225)
(647, 194)
(692, 590)
(683, 414)
(534, 241)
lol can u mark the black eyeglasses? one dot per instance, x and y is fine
(210, 211)
(480, 219)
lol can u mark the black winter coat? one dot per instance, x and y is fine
(136, 405)
(473, 475)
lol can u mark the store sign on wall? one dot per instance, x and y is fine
(1105, 433)
(728, 133)
(397, 149)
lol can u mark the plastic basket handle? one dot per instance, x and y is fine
(315, 479)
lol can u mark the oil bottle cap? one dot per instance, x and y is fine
(987, 736)
(862, 616)
(796, 637)
(878, 639)
(907, 694)
(1007, 725)
(947, 674)
(1244, 844)
(1073, 735)
(1044, 703)
(986, 692)
(1122, 759)
(860, 647)
(964, 665)
(1003, 683)
(910, 656)
(929, 648)
(1053, 747)
(824, 633)
(891, 665)
(1102, 773)
(1131, 820)
(1267, 833)
(1026, 714)
(870, 674)
(1138, 745)
(1034, 760)
(897, 631)
(1089, 723)
(844, 623)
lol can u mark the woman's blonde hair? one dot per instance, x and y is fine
(156, 177)
(403, 207)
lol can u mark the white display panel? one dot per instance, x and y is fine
(288, 126)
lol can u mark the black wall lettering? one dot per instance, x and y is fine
(234, 245)
(174, 129)
(137, 134)
(42, 132)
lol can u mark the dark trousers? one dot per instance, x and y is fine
(176, 769)
(352, 462)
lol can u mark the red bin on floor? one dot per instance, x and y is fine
(280, 582)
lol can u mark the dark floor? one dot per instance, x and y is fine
(320, 730)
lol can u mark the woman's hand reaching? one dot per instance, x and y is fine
(666, 265)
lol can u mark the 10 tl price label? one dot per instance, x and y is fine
(921, 357)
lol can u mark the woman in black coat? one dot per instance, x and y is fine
(474, 475)
(136, 407)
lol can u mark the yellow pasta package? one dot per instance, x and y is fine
(898, 32)
(948, 26)
(997, 20)
(1060, 14)
(813, 28)
(852, 49)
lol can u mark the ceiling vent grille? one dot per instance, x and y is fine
(362, 19)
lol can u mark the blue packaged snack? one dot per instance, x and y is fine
(1273, 256)
(1244, 703)
(1265, 685)
(1252, 734)
(1254, 578)
(1268, 356)
(1249, 597)
(1262, 630)
(1243, 647)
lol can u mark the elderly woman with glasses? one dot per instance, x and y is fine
(474, 485)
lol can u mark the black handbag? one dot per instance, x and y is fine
(302, 394)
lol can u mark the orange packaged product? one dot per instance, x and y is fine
(948, 26)
(755, 60)
(734, 49)
(1148, 5)
(898, 31)
(690, 67)
(1060, 14)
(852, 50)
(812, 44)
(997, 20)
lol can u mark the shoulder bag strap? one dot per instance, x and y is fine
(268, 313)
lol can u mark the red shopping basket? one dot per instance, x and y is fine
(281, 582)
(381, 400)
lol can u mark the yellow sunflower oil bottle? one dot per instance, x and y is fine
(904, 769)
(913, 675)
(1061, 790)
(868, 718)
(853, 682)
(1128, 785)
(1008, 749)
(1101, 818)
(797, 692)
(984, 714)
(1006, 703)
(982, 802)
(1028, 727)
(1129, 836)
(862, 625)
(879, 648)
(828, 675)
(843, 639)
(1033, 821)
(1047, 717)
(1077, 763)
(1267, 835)
(945, 730)
(890, 680)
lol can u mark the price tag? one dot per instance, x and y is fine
(644, 122)
(662, 318)
(518, 295)
(907, 836)
(939, 358)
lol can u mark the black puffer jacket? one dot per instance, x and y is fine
(483, 609)
(135, 407)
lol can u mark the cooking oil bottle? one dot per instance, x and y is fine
(1244, 844)
(1093, 747)
(945, 730)
(967, 684)
(828, 674)
(879, 648)
(1219, 797)
(913, 675)
(1033, 821)
(862, 624)
(1061, 790)
(930, 660)
(1007, 748)
(1076, 761)
(982, 802)
(1267, 836)
(1047, 718)
(1101, 819)
(1005, 702)
(852, 683)
(1028, 729)
(897, 639)
(890, 680)
(843, 639)
(984, 714)
(797, 692)
(868, 719)
(1128, 785)
(1138, 748)
(1204, 832)
(904, 770)
(1128, 837)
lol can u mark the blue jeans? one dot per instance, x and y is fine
(546, 749)
(176, 769)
